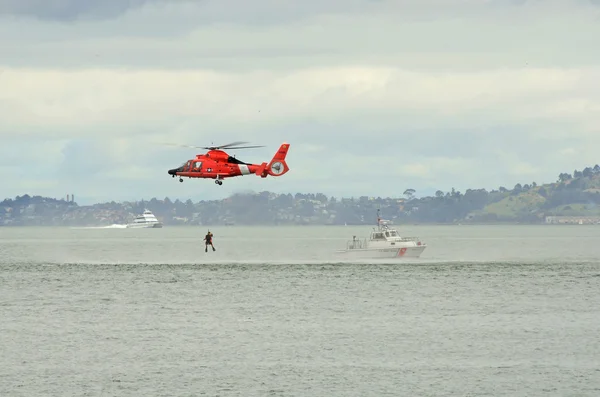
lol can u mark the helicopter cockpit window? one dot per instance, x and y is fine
(197, 166)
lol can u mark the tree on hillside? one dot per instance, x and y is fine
(455, 193)
(563, 177)
(284, 201)
(517, 189)
(321, 197)
(409, 193)
(565, 197)
(475, 199)
(577, 184)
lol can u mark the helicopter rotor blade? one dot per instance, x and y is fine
(180, 145)
(229, 146)
(243, 147)
(232, 145)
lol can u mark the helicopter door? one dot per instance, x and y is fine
(197, 166)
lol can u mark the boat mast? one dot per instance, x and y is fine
(381, 225)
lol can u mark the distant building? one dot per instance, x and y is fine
(573, 220)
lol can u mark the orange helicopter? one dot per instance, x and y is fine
(218, 165)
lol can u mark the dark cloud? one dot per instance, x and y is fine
(69, 10)
(188, 12)
(194, 13)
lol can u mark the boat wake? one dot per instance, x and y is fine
(113, 226)
(366, 264)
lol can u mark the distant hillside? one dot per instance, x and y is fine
(576, 194)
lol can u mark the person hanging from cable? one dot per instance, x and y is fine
(208, 241)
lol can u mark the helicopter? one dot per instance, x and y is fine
(218, 165)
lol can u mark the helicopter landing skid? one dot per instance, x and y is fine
(218, 180)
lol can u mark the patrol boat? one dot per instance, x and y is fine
(384, 242)
(146, 220)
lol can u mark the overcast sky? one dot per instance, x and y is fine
(373, 96)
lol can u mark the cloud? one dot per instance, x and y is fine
(372, 95)
(257, 12)
(100, 98)
(68, 10)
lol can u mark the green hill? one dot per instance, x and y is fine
(576, 194)
(516, 206)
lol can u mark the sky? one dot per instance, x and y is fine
(373, 96)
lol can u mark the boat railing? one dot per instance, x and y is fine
(356, 244)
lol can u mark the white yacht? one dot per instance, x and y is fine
(146, 220)
(385, 242)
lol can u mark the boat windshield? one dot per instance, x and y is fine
(377, 236)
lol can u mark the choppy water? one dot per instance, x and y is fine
(487, 311)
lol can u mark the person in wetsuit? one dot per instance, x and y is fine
(208, 241)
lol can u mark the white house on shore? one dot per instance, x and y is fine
(573, 220)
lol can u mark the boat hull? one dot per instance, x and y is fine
(144, 226)
(384, 253)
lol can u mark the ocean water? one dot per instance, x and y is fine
(486, 311)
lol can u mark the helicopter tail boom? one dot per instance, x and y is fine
(277, 166)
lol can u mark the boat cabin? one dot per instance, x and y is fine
(384, 235)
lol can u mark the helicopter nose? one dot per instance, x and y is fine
(172, 172)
